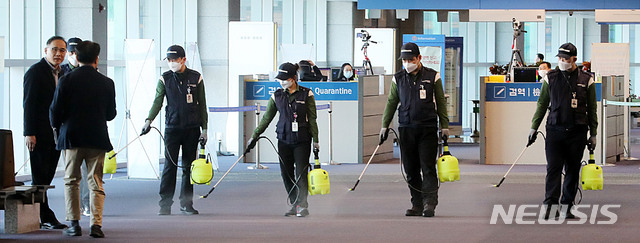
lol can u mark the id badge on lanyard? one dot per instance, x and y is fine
(189, 96)
(423, 92)
(294, 124)
(574, 101)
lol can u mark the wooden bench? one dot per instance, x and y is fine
(20, 207)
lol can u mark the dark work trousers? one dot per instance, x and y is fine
(563, 149)
(298, 155)
(44, 160)
(174, 139)
(419, 151)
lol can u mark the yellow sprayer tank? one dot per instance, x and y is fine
(201, 169)
(448, 169)
(591, 175)
(110, 164)
(318, 178)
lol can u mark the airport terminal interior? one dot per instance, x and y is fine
(370, 176)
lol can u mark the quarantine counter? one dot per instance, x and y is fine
(349, 118)
(506, 111)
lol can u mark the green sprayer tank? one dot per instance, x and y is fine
(318, 178)
(591, 175)
(201, 169)
(448, 169)
(110, 164)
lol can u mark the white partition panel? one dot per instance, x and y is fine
(1, 55)
(613, 59)
(252, 50)
(143, 154)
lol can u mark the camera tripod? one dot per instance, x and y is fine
(366, 63)
(516, 56)
(516, 61)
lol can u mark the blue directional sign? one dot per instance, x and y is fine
(321, 90)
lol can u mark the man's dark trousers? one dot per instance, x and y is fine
(563, 149)
(298, 155)
(419, 151)
(188, 139)
(44, 160)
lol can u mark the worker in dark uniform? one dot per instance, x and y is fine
(570, 95)
(72, 61)
(40, 82)
(186, 113)
(296, 128)
(420, 93)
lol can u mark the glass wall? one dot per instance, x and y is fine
(488, 43)
(25, 25)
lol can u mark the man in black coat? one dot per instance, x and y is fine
(39, 85)
(83, 103)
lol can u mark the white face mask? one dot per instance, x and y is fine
(348, 74)
(542, 73)
(285, 83)
(537, 60)
(72, 59)
(175, 66)
(564, 66)
(409, 66)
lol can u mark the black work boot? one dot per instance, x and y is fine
(188, 210)
(302, 211)
(565, 212)
(429, 211)
(293, 211)
(549, 210)
(164, 211)
(414, 211)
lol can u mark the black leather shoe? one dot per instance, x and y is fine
(73, 231)
(53, 225)
(96, 231)
(429, 211)
(164, 211)
(414, 211)
(189, 210)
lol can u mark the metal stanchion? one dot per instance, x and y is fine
(257, 166)
(330, 110)
(603, 136)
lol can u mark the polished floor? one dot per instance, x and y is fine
(248, 206)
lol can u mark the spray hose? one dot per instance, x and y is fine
(295, 182)
(582, 163)
(404, 176)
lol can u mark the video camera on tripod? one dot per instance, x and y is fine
(516, 57)
(366, 39)
(518, 28)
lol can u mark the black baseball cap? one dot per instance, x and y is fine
(286, 71)
(174, 52)
(72, 43)
(409, 50)
(567, 50)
